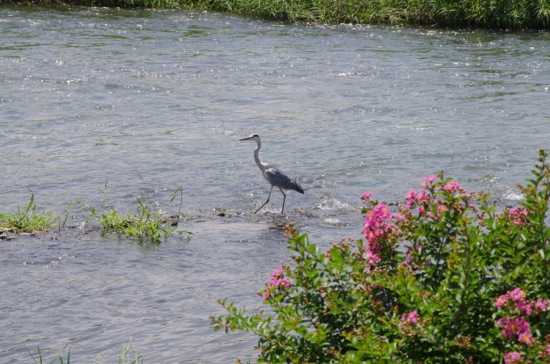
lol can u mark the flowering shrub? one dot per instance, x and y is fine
(444, 278)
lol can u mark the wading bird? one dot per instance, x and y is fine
(272, 174)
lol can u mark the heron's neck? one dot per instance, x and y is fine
(257, 156)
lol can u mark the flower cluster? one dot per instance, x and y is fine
(366, 195)
(423, 199)
(453, 187)
(516, 300)
(513, 357)
(517, 326)
(410, 318)
(416, 198)
(278, 280)
(379, 230)
(429, 180)
(411, 324)
(519, 215)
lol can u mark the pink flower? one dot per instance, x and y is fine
(278, 279)
(452, 186)
(513, 326)
(410, 318)
(525, 307)
(441, 209)
(526, 338)
(414, 198)
(377, 223)
(366, 195)
(413, 317)
(428, 180)
(519, 215)
(379, 212)
(411, 198)
(421, 197)
(400, 217)
(517, 297)
(512, 357)
(379, 229)
(501, 301)
(371, 257)
(548, 349)
(541, 304)
(280, 272)
(516, 294)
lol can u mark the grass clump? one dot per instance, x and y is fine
(29, 220)
(123, 358)
(146, 225)
(57, 359)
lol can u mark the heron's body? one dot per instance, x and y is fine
(272, 174)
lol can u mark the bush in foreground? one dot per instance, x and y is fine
(444, 279)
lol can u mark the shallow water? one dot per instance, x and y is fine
(98, 103)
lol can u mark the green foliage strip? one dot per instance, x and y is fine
(496, 14)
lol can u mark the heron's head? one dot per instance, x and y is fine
(254, 138)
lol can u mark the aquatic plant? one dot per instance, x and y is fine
(123, 358)
(147, 224)
(443, 278)
(39, 360)
(29, 220)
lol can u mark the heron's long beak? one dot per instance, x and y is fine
(245, 139)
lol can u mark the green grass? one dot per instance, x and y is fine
(496, 14)
(30, 219)
(145, 225)
(123, 358)
(37, 357)
(501, 14)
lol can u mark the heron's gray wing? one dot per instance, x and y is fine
(279, 179)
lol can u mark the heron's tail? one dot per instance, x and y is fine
(298, 188)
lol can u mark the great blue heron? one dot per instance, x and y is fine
(272, 174)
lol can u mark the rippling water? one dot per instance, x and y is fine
(135, 104)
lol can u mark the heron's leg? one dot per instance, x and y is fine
(284, 199)
(265, 203)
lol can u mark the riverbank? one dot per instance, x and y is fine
(494, 14)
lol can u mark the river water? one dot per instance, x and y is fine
(127, 105)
